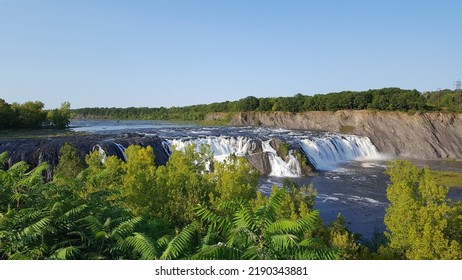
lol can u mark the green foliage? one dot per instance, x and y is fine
(245, 232)
(60, 118)
(49, 221)
(340, 237)
(444, 100)
(69, 163)
(249, 103)
(6, 115)
(420, 218)
(447, 178)
(347, 129)
(234, 177)
(297, 201)
(389, 99)
(184, 183)
(29, 114)
(32, 115)
(129, 210)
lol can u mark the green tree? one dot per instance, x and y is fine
(419, 217)
(69, 163)
(184, 183)
(250, 103)
(29, 114)
(139, 190)
(234, 177)
(6, 114)
(60, 118)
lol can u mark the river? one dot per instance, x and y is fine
(351, 180)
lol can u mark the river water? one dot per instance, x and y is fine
(351, 180)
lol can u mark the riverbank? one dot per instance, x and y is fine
(417, 135)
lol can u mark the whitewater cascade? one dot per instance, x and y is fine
(223, 147)
(326, 152)
(280, 167)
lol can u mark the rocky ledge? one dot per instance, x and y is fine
(417, 135)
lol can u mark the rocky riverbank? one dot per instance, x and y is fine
(419, 135)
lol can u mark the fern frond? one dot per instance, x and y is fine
(267, 214)
(241, 236)
(75, 211)
(284, 242)
(19, 167)
(245, 217)
(283, 226)
(313, 242)
(90, 222)
(38, 228)
(19, 256)
(35, 175)
(66, 253)
(218, 251)
(180, 243)
(317, 254)
(256, 253)
(3, 158)
(213, 219)
(126, 228)
(308, 222)
(143, 246)
(163, 241)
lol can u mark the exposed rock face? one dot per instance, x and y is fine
(35, 151)
(260, 162)
(257, 157)
(421, 135)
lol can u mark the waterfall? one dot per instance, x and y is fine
(221, 146)
(242, 146)
(279, 167)
(326, 152)
(121, 150)
(101, 151)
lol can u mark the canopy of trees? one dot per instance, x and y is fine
(391, 99)
(421, 222)
(32, 115)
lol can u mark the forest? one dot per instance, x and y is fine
(31, 114)
(187, 209)
(386, 99)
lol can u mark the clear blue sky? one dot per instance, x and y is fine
(175, 53)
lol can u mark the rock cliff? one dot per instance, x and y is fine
(420, 135)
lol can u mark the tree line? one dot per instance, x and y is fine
(133, 209)
(32, 114)
(387, 99)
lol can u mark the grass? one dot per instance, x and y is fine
(347, 129)
(447, 178)
(223, 120)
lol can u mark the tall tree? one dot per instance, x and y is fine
(419, 216)
(60, 118)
